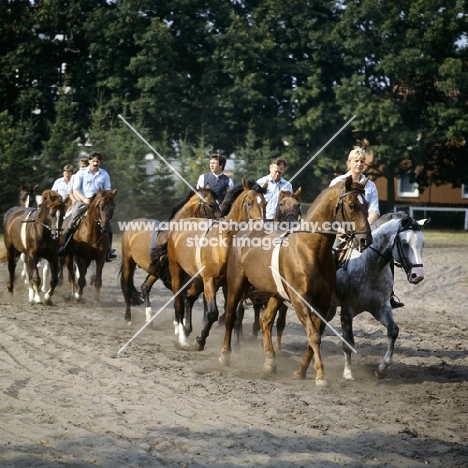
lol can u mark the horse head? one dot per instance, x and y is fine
(207, 205)
(289, 206)
(101, 208)
(51, 212)
(245, 202)
(26, 194)
(408, 247)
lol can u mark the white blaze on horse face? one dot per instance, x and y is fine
(361, 199)
(259, 200)
(415, 242)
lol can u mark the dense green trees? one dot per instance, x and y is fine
(254, 79)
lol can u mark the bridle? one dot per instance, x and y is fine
(405, 264)
(98, 218)
(207, 209)
(339, 208)
(288, 216)
(245, 206)
(54, 231)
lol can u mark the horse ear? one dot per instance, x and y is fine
(265, 185)
(349, 183)
(298, 192)
(35, 187)
(423, 222)
(207, 187)
(114, 191)
(245, 184)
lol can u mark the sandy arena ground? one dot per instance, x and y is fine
(69, 400)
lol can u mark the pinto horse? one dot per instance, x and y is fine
(365, 281)
(91, 242)
(298, 269)
(207, 246)
(139, 245)
(34, 232)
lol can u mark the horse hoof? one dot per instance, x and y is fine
(299, 375)
(129, 323)
(321, 383)
(197, 346)
(381, 374)
(48, 302)
(225, 360)
(348, 377)
(269, 369)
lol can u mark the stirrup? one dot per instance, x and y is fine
(396, 303)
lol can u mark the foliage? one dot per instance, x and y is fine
(238, 77)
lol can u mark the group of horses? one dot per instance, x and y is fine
(229, 247)
(37, 233)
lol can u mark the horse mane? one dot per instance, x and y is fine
(232, 195)
(54, 198)
(385, 218)
(176, 208)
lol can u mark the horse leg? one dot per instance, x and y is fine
(45, 275)
(80, 263)
(130, 293)
(268, 318)
(256, 327)
(145, 290)
(98, 280)
(348, 335)
(34, 281)
(70, 264)
(238, 332)
(11, 268)
(312, 324)
(280, 326)
(385, 317)
(223, 315)
(54, 268)
(235, 294)
(209, 292)
(24, 269)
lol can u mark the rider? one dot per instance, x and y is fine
(63, 184)
(356, 162)
(276, 183)
(219, 182)
(86, 183)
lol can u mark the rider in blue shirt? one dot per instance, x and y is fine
(87, 182)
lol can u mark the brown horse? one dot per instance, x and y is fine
(141, 240)
(288, 212)
(207, 245)
(91, 242)
(298, 269)
(34, 232)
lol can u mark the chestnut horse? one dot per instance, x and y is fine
(34, 232)
(288, 211)
(90, 242)
(141, 240)
(200, 253)
(298, 269)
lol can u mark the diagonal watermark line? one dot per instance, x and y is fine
(277, 274)
(160, 310)
(322, 148)
(170, 166)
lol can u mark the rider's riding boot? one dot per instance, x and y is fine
(111, 254)
(62, 251)
(395, 303)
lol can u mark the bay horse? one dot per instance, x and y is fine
(207, 245)
(141, 240)
(90, 242)
(34, 232)
(298, 269)
(365, 281)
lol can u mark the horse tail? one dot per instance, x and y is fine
(160, 261)
(129, 291)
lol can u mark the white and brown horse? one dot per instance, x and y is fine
(35, 232)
